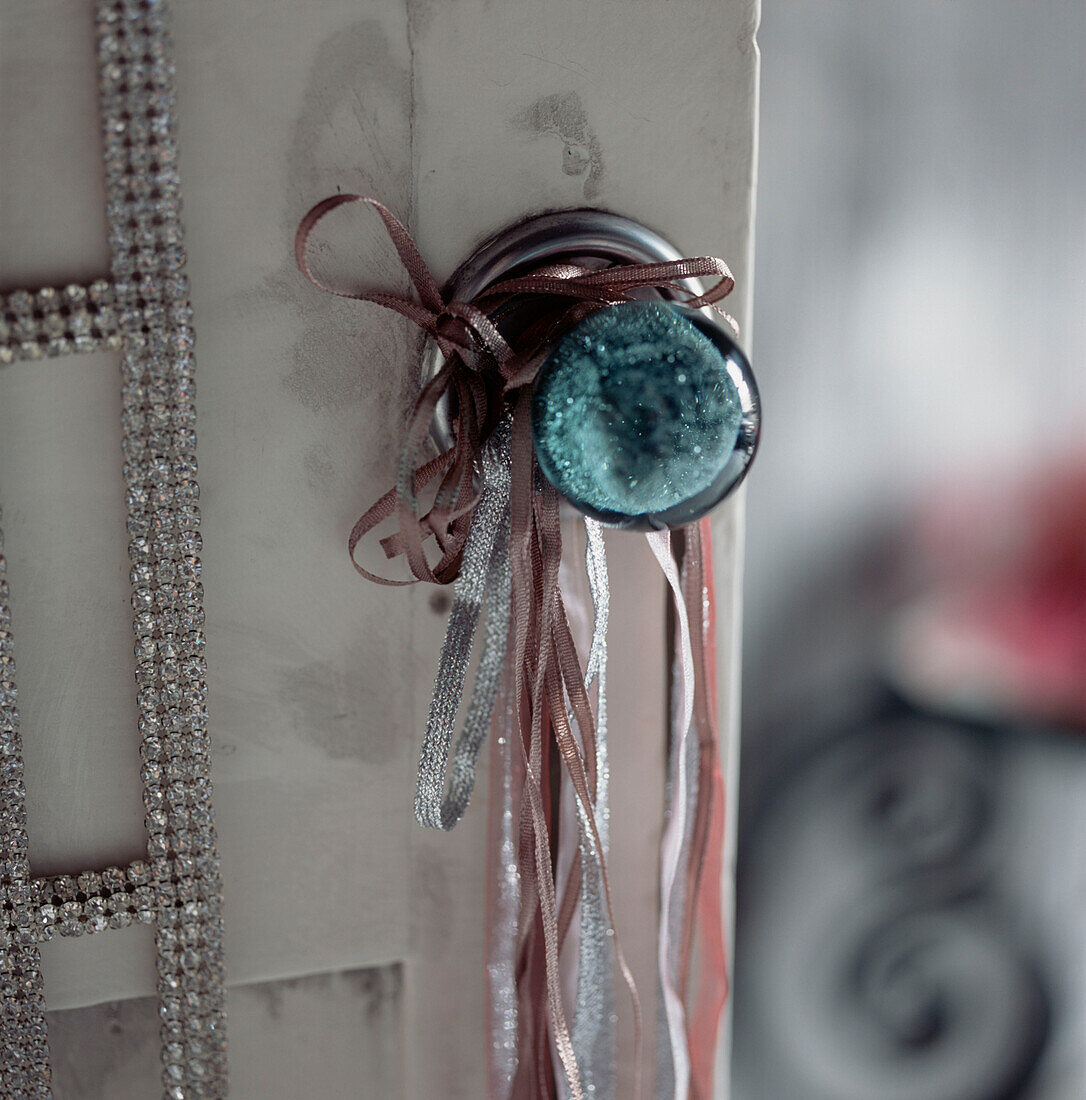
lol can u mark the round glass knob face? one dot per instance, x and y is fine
(645, 415)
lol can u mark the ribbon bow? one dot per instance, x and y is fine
(482, 374)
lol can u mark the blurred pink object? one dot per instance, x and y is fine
(1001, 631)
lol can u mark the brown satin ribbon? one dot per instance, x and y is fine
(484, 376)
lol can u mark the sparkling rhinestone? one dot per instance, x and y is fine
(101, 292)
(69, 922)
(97, 913)
(113, 879)
(64, 887)
(144, 624)
(18, 894)
(120, 918)
(147, 699)
(20, 302)
(89, 883)
(138, 873)
(142, 574)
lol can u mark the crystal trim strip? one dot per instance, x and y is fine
(24, 1044)
(142, 310)
(92, 901)
(50, 322)
(143, 207)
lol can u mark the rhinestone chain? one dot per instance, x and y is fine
(159, 440)
(24, 1045)
(143, 310)
(54, 322)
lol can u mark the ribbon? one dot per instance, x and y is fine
(495, 524)
(593, 1029)
(703, 918)
(675, 832)
(485, 567)
(503, 897)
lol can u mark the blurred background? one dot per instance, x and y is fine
(912, 900)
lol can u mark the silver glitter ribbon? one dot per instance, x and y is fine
(593, 1020)
(502, 958)
(484, 577)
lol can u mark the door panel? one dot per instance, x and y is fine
(463, 118)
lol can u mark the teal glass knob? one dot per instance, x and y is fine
(645, 415)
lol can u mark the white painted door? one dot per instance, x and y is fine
(354, 942)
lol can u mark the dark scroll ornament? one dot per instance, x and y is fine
(877, 958)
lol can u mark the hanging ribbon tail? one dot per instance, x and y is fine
(674, 1062)
(691, 924)
(593, 1017)
(484, 570)
(503, 896)
(703, 930)
(584, 929)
